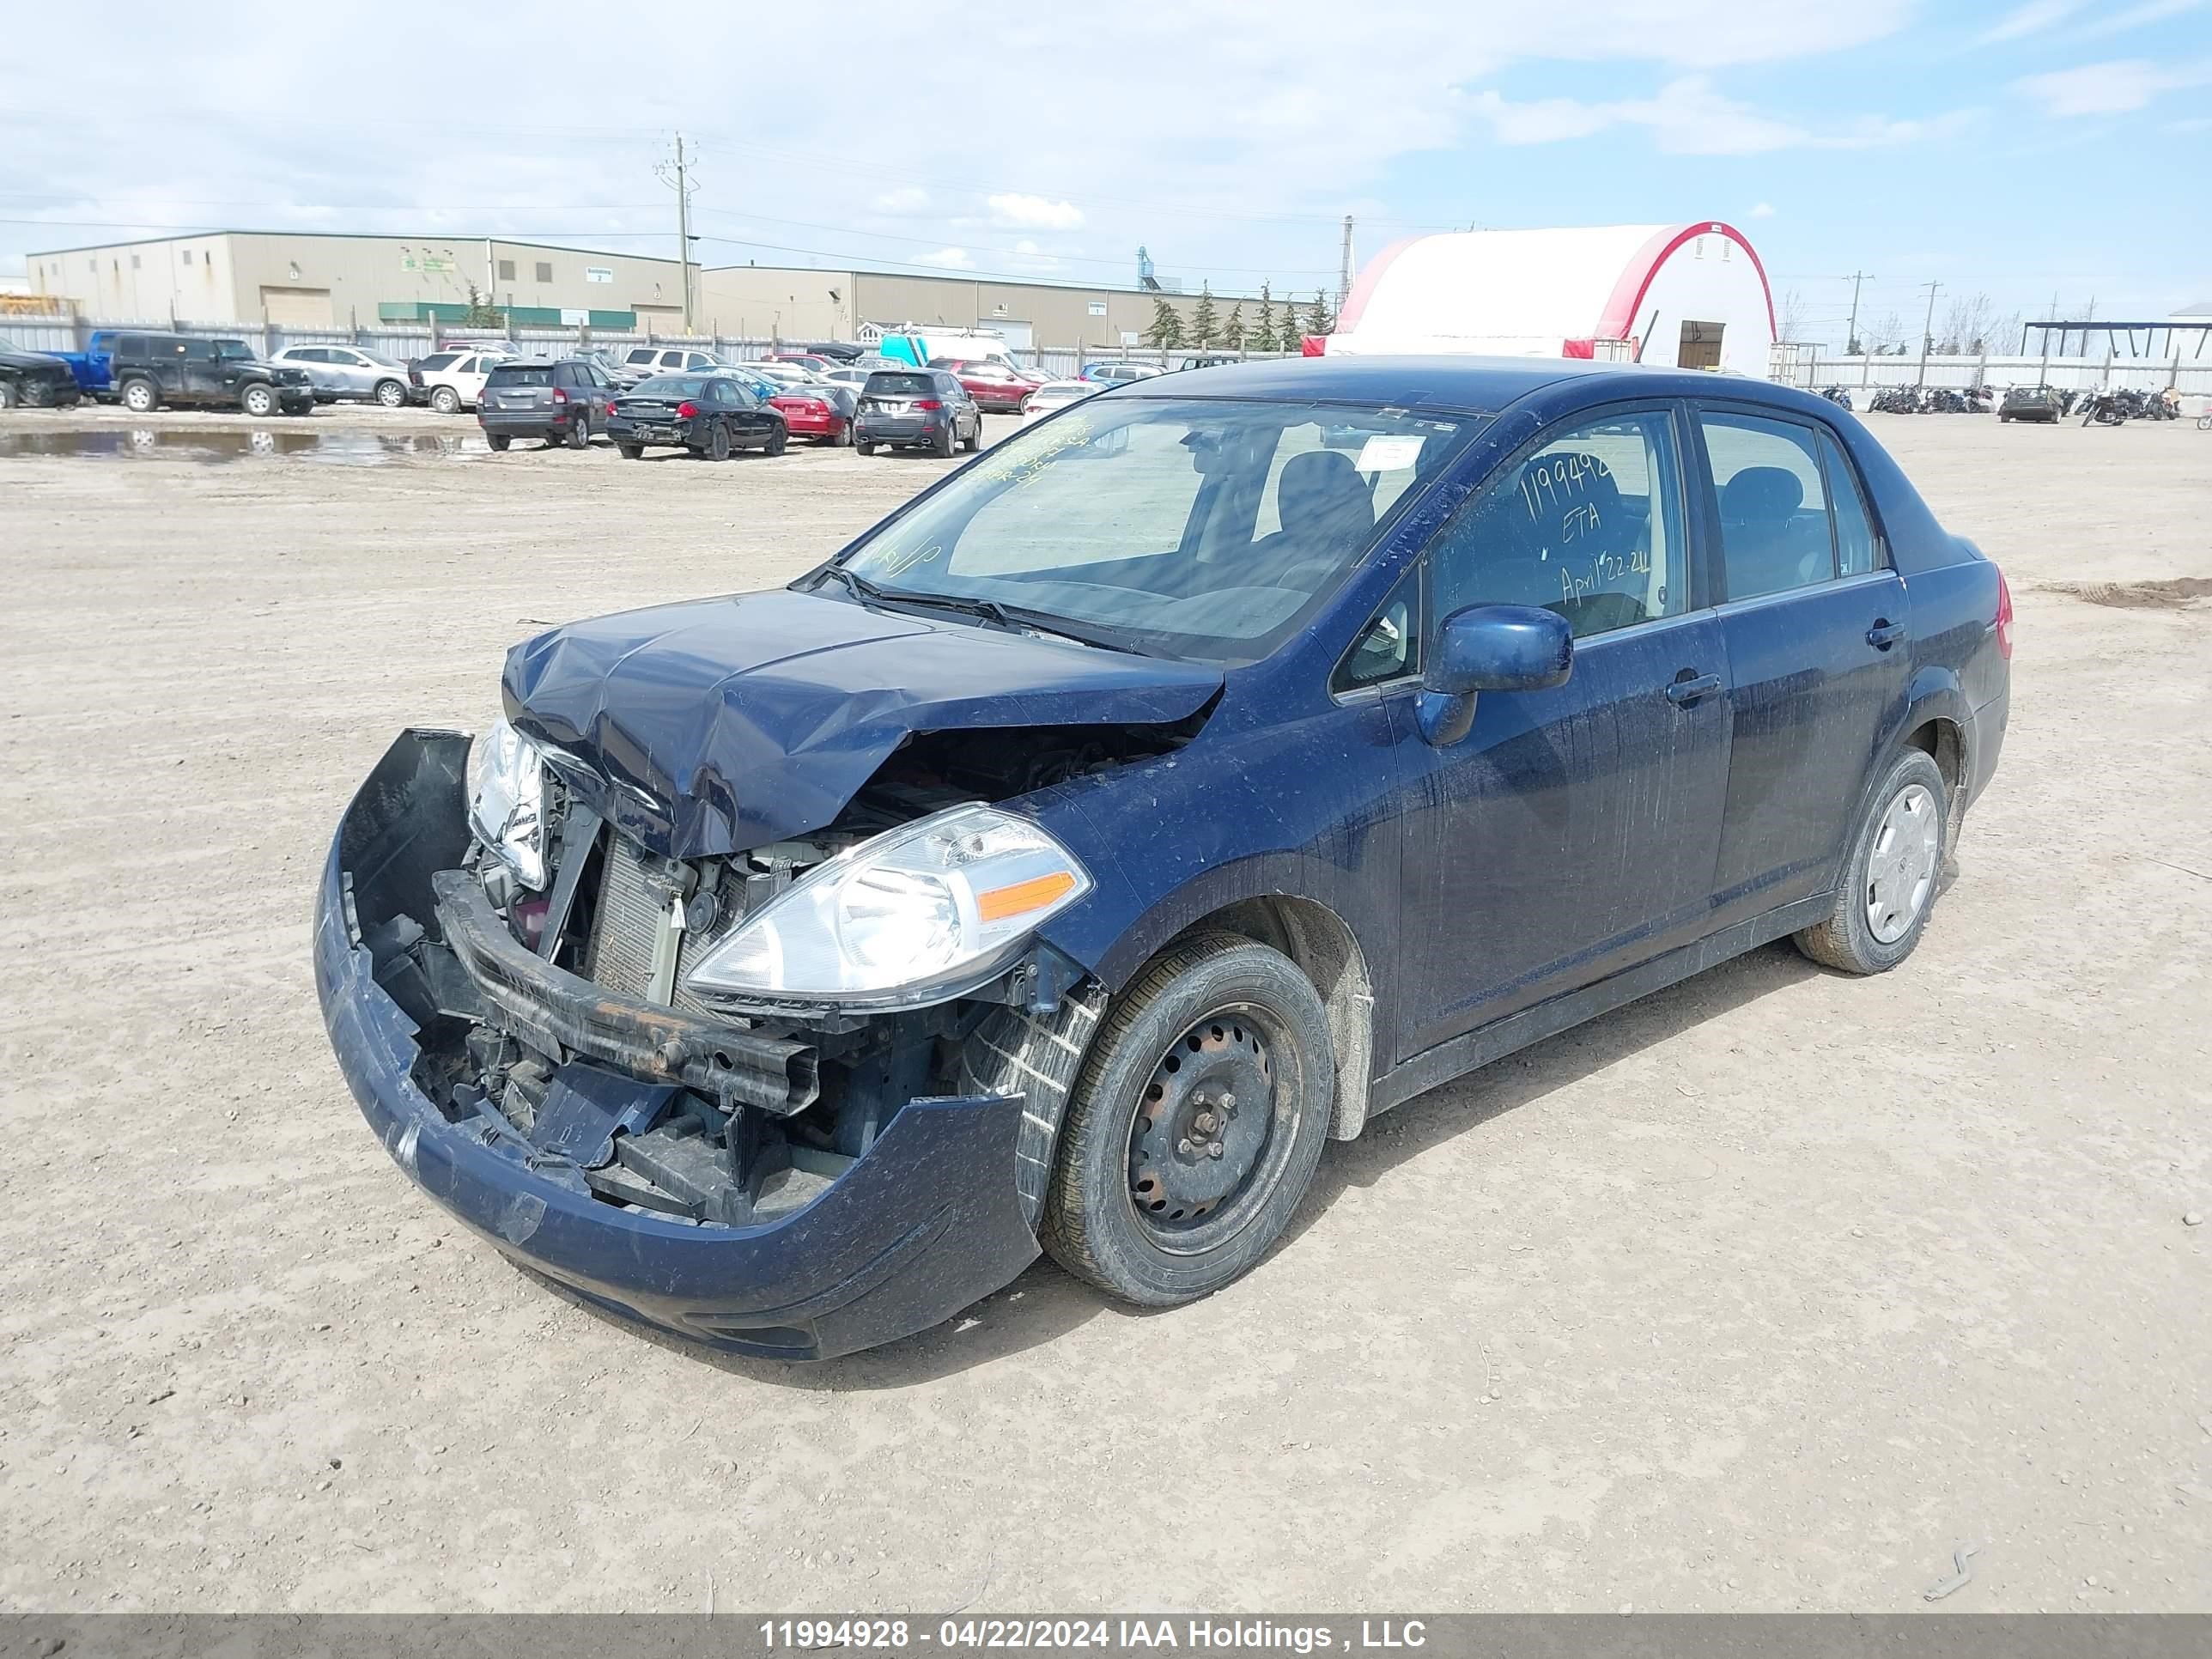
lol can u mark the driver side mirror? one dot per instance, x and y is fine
(1489, 647)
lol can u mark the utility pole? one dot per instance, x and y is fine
(677, 179)
(1927, 333)
(1344, 269)
(1852, 334)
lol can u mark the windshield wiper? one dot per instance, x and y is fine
(859, 586)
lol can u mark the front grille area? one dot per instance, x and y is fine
(631, 913)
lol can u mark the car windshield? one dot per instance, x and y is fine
(672, 385)
(1190, 528)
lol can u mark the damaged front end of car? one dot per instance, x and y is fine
(795, 1099)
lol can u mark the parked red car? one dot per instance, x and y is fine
(992, 385)
(814, 414)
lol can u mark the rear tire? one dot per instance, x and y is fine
(1891, 874)
(631, 451)
(865, 449)
(446, 400)
(1229, 1043)
(8, 396)
(718, 443)
(777, 439)
(941, 446)
(392, 394)
(499, 441)
(140, 397)
(579, 433)
(974, 440)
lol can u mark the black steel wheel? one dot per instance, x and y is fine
(1196, 1125)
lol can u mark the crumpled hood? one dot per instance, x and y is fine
(707, 727)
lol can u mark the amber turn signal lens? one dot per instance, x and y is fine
(1000, 902)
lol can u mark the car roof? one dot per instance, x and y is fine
(1469, 385)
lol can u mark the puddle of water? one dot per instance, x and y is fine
(213, 448)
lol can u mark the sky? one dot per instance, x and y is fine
(2037, 152)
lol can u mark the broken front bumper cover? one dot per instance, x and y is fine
(926, 1221)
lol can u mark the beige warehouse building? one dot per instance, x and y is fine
(303, 280)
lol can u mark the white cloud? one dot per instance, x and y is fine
(1688, 117)
(2112, 88)
(1763, 211)
(1035, 212)
(2135, 17)
(906, 203)
(2031, 19)
(952, 258)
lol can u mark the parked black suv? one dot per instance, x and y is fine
(563, 402)
(151, 370)
(34, 379)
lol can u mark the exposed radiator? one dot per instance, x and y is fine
(631, 913)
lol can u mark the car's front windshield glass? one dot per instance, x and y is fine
(1194, 528)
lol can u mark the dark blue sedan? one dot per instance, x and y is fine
(1180, 783)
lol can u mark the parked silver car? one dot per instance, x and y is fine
(349, 372)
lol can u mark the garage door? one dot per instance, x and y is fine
(298, 308)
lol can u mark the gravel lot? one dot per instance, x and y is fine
(1762, 1294)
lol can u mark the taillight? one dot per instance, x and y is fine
(559, 396)
(927, 402)
(2004, 617)
(687, 411)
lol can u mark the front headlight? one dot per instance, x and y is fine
(917, 915)
(507, 801)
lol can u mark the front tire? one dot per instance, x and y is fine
(8, 394)
(258, 401)
(1891, 873)
(446, 400)
(1195, 1126)
(392, 394)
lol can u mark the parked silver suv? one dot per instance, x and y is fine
(349, 372)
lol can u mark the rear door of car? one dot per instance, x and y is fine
(1818, 631)
(1571, 832)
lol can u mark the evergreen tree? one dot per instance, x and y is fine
(1166, 331)
(1232, 331)
(1321, 322)
(1291, 336)
(1263, 332)
(1205, 326)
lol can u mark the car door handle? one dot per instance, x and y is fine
(1885, 634)
(1682, 692)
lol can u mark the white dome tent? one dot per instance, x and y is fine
(1691, 296)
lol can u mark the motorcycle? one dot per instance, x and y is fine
(1836, 394)
(2105, 408)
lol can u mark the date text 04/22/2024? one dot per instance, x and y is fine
(1095, 1635)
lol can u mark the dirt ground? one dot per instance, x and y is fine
(1765, 1293)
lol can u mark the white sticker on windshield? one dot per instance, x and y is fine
(1390, 451)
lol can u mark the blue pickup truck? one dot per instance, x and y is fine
(92, 368)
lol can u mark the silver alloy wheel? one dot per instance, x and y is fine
(1901, 868)
(138, 397)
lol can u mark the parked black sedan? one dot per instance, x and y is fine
(710, 414)
(32, 380)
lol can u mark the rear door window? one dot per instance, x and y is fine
(1858, 550)
(1775, 529)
